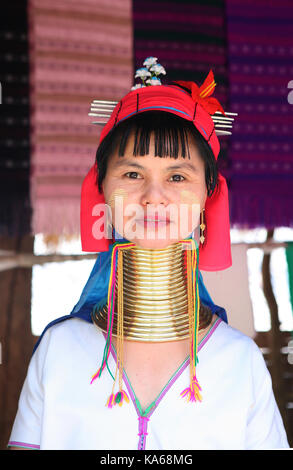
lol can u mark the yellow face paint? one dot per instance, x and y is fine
(119, 193)
(193, 202)
(188, 197)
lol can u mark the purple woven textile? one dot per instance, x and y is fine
(188, 38)
(260, 48)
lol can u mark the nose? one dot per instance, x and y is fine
(154, 194)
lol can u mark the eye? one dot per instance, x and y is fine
(131, 173)
(177, 180)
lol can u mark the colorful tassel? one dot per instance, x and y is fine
(111, 401)
(95, 376)
(121, 396)
(192, 393)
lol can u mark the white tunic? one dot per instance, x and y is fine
(60, 409)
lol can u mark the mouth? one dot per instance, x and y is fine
(155, 220)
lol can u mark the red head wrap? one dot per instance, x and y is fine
(193, 104)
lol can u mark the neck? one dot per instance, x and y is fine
(155, 300)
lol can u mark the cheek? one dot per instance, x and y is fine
(116, 197)
(119, 199)
(188, 197)
(191, 204)
(197, 196)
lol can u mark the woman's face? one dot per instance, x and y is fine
(155, 201)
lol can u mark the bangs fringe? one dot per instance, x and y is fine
(169, 140)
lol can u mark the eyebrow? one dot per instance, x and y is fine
(183, 165)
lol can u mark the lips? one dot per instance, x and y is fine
(156, 218)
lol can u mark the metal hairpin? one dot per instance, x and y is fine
(103, 109)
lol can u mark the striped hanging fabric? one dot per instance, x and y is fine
(15, 211)
(261, 151)
(79, 51)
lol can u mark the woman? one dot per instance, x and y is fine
(145, 337)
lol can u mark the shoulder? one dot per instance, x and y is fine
(73, 345)
(227, 332)
(233, 357)
(230, 342)
(70, 335)
(70, 327)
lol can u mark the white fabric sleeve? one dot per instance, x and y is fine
(26, 430)
(265, 429)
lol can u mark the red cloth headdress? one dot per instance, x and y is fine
(193, 103)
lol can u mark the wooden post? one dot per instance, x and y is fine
(15, 333)
(274, 335)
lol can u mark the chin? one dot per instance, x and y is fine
(157, 239)
(154, 244)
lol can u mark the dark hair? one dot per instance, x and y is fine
(169, 129)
